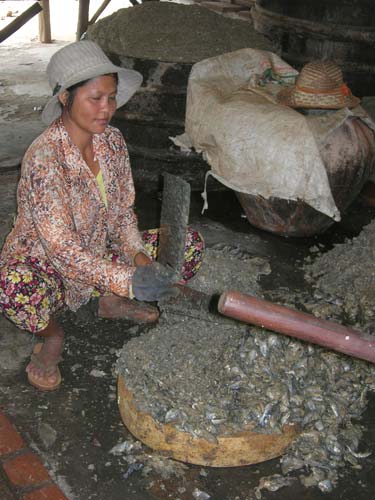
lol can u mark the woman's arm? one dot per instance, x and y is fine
(54, 223)
(125, 231)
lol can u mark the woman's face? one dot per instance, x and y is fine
(93, 105)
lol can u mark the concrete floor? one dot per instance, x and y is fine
(74, 429)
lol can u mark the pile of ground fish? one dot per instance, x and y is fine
(177, 33)
(344, 281)
(211, 376)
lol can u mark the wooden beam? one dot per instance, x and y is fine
(45, 23)
(99, 11)
(22, 19)
(83, 18)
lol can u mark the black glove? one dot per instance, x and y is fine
(154, 282)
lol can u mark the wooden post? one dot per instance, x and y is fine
(45, 23)
(99, 11)
(83, 18)
(20, 21)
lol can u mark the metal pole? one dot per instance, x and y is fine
(297, 324)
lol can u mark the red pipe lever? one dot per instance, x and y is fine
(297, 324)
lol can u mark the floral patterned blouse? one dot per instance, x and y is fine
(62, 217)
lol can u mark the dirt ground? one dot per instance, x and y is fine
(78, 431)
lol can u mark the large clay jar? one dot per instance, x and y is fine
(349, 157)
(154, 38)
(154, 114)
(340, 30)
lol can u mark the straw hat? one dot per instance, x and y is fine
(81, 61)
(319, 85)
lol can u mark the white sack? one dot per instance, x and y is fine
(252, 144)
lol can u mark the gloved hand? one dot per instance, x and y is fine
(154, 282)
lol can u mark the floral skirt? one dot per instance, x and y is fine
(31, 291)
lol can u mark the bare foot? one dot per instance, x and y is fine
(43, 365)
(114, 307)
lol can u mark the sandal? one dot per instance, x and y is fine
(42, 383)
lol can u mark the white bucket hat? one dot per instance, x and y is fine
(80, 61)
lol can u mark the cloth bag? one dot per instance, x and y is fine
(253, 144)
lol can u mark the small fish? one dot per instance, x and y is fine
(357, 454)
(266, 414)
